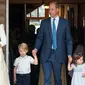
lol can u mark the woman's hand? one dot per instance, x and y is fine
(0, 46)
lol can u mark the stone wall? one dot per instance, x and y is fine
(2, 11)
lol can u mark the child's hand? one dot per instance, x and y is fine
(34, 52)
(35, 60)
(83, 74)
(69, 59)
(69, 67)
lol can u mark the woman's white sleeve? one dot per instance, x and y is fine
(2, 35)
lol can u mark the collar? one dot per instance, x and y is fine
(56, 18)
(23, 56)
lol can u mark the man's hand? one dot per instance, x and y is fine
(69, 59)
(83, 74)
(34, 52)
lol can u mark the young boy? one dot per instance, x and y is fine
(22, 67)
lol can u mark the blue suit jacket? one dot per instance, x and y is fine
(64, 40)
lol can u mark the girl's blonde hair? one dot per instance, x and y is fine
(23, 46)
(76, 57)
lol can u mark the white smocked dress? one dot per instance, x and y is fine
(4, 78)
(77, 78)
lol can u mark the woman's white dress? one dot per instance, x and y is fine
(4, 78)
(77, 78)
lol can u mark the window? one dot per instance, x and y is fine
(39, 12)
(36, 16)
(34, 13)
(42, 11)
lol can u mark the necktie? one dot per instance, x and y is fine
(54, 35)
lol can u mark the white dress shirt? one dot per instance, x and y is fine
(2, 35)
(56, 22)
(23, 64)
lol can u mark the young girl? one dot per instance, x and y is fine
(22, 67)
(78, 68)
(4, 77)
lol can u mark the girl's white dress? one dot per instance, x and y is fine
(4, 78)
(77, 78)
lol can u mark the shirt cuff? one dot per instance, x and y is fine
(69, 55)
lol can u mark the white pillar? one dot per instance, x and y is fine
(7, 32)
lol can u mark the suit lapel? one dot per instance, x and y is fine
(59, 26)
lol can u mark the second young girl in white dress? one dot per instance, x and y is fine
(78, 67)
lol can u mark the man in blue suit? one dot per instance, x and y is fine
(55, 40)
